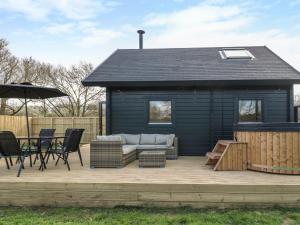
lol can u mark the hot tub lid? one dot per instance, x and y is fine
(281, 126)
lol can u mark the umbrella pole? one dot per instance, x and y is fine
(27, 120)
(28, 133)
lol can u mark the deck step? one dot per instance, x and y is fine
(224, 142)
(214, 155)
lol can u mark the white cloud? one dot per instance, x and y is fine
(32, 9)
(70, 9)
(89, 34)
(56, 28)
(79, 9)
(192, 16)
(95, 37)
(128, 28)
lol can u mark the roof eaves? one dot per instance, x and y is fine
(84, 79)
(293, 68)
(215, 83)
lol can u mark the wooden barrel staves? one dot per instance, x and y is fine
(272, 147)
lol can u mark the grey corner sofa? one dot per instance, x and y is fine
(118, 150)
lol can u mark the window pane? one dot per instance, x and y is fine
(237, 54)
(258, 113)
(250, 111)
(160, 112)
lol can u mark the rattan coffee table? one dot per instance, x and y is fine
(152, 159)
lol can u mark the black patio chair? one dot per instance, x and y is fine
(60, 144)
(10, 147)
(67, 134)
(70, 144)
(45, 142)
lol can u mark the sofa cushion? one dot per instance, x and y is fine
(165, 139)
(170, 140)
(132, 139)
(128, 148)
(122, 137)
(109, 138)
(161, 139)
(147, 139)
(151, 147)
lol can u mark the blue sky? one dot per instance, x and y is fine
(66, 32)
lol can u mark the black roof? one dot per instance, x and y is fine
(191, 66)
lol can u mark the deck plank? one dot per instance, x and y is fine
(184, 182)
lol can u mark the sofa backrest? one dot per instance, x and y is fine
(147, 139)
(109, 138)
(131, 139)
(164, 139)
(141, 139)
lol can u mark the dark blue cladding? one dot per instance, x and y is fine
(200, 116)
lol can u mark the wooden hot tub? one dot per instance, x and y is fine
(272, 147)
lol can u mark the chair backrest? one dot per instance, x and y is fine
(9, 145)
(46, 132)
(73, 142)
(67, 135)
(80, 136)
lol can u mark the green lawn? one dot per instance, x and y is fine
(139, 216)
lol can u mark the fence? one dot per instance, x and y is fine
(17, 124)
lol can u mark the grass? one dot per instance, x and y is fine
(140, 216)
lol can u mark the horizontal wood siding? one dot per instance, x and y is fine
(200, 116)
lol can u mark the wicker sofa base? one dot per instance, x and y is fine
(171, 154)
(108, 155)
(112, 162)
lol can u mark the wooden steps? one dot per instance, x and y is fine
(228, 155)
(214, 155)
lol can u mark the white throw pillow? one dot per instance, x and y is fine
(170, 140)
(161, 139)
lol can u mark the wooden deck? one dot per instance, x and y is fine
(184, 182)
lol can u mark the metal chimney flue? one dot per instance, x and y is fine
(140, 32)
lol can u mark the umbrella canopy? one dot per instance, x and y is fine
(28, 91)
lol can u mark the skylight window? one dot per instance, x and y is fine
(236, 53)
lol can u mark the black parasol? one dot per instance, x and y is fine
(28, 91)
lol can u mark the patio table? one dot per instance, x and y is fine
(37, 138)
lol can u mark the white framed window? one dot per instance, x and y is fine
(160, 112)
(236, 53)
(250, 110)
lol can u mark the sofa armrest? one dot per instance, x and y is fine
(107, 148)
(176, 145)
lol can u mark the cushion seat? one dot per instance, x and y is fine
(32, 149)
(57, 150)
(128, 149)
(152, 147)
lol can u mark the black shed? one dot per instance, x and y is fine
(196, 93)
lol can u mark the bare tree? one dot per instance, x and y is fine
(81, 101)
(4, 51)
(8, 70)
(80, 98)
